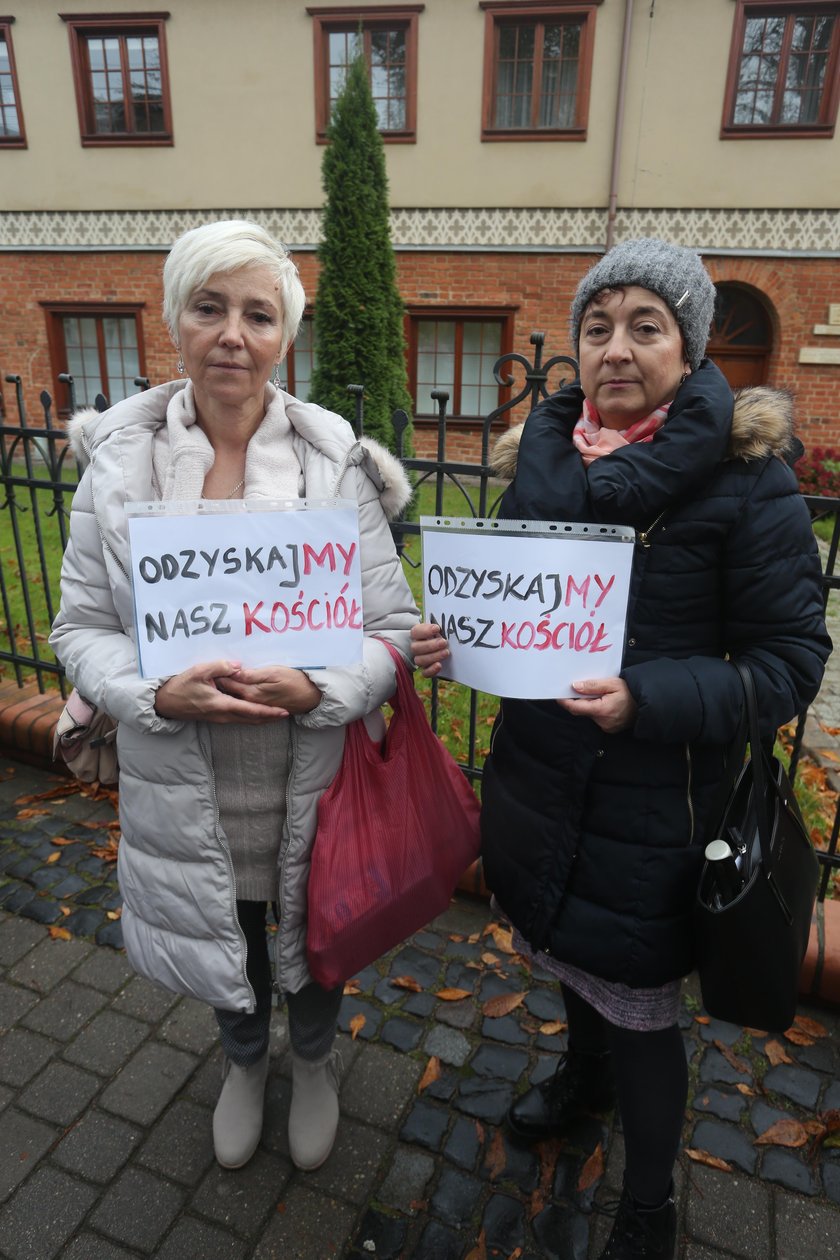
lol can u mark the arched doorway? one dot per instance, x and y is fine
(742, 336)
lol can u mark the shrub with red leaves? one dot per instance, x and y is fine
(819, 472)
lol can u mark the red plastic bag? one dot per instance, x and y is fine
(397, 828)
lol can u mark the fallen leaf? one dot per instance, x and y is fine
(452, 995)
(59, 934)
(61, 841)
(515, 1254)
(745, 1090)
(456, 937)
(740, 1065)
(113, 914)
(593, 1169)
(351, 988)
(474, 938)
(357, 1023)
(281, 1208)
(798, 1037)
(430, 1075)
(490, 959)
(787, 1132)
(495, 1161)
(54, 857)
(502, 938)
(548, 1153)
(418, 1205)
(552, 1028)
(502, 1004)
(57, 794)
(479, 1251)
(32, 813)
(756, 1032)
(810, 1026)
(702, 1019)
(776, 1053)
(65, 910)
(711, 1161)
(406, 982)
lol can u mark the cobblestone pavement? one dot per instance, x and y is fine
(107, 1086)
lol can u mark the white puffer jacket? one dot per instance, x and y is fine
(175, 871)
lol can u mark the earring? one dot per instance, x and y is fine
(275, 380)
(180, 365)
(684, 378)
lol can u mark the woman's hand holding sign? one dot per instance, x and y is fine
(221, 691)
(428, 647)
(607, 701)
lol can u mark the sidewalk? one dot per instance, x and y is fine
(107, 1086)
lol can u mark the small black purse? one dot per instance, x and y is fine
(753, 908)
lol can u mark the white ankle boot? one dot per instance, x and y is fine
(313, 1116)
(238, 1118)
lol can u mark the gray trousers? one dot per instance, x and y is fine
(313, 1011)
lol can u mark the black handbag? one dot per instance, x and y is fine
(752, 928)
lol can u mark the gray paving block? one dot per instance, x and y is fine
(806, 1230)
(191, 1026)
(405, 1185)
(180, 1146)
(60, 1094)
(104, 970)
(310, 1226)
(23, 1054)
(195, 1238)
(67, 1009)
(148, 1082)
(107, 1043)
(729, 1211)
(15, 1001)
(98, 1146)
(354, 1164)
(22, 1143)
(379, 1086)
(40, 1218)
(92, 1247)
(243, 1199)
(143, 1000)
(137, 1209)
(448, 1044)
(48, 963)
(17, 938)
(798, 1084)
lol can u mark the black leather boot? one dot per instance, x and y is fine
(642, 1233)
(581, 1083)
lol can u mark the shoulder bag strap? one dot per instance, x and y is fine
(757, 763)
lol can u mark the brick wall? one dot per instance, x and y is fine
(797, 293)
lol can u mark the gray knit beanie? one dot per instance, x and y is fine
(676, 274)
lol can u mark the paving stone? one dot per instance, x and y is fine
(278, 1099)
(91, 1247)
(562, 1232)
(545, 1067)
(785, 1169)
(740, 1219)
(379, 1086)
(424, 968)
(145, 1001)
(353, 1006)
(381, 1236)
(192, 1237)
(463, 1144)
(42, 909)
(503, 1223)
(821, 1057)
(456, 1197)
(428, 940)
(83, 922)
(352, 1168)
(64, 1011)
(508, 1161)
(457, 976)
(180, 1146)
(714, 1067)
(23, 867)
(805, 1230)
(409, 1174)
(22, 1054)
(499, 1062)
(486, 1100)
(402, 1034)
(717, 1103)
(241, 1200)
(310, 1227)
(727, 1142)
(45, 877)
(191, 1026)
(205, 1085)
(137, 1209)
(98, 1146)
(762, 1116)
(831, 1180)
(798, 1084)
(110, 933)
(60, 1094)
(387, 993)
(545, 1005)
(420, 1004)
(438, 1242)
(94, 894)
(461, 1015)
(448, 1044)
(831, 1100)
(148, 1082)
(67, 886)
(443, 1089)
(22, 1143)
(14, 1003)
(506, 1030)
(107, 1043)
(426, 1125)
(14, 896)
(48, 963)
(44, 1214)
(720, 1030)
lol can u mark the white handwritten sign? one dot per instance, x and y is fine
(277, 584)
(527, 607)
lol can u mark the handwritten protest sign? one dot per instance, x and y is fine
(278, 584)
(527, 607)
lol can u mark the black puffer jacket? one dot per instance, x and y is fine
(593, 843)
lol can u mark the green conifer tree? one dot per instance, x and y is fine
(358, 310)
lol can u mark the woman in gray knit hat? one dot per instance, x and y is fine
(595, 808)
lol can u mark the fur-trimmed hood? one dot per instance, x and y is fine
(331, 434)
(762, 425)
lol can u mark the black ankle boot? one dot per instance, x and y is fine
(581, 1083)
(642, 1233)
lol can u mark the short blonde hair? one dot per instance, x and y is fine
(224, 247)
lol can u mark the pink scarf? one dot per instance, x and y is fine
(593, 440)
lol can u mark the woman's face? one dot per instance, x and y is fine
(231, 334)
(631, 355)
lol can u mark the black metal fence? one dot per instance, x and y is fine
(38, 476)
